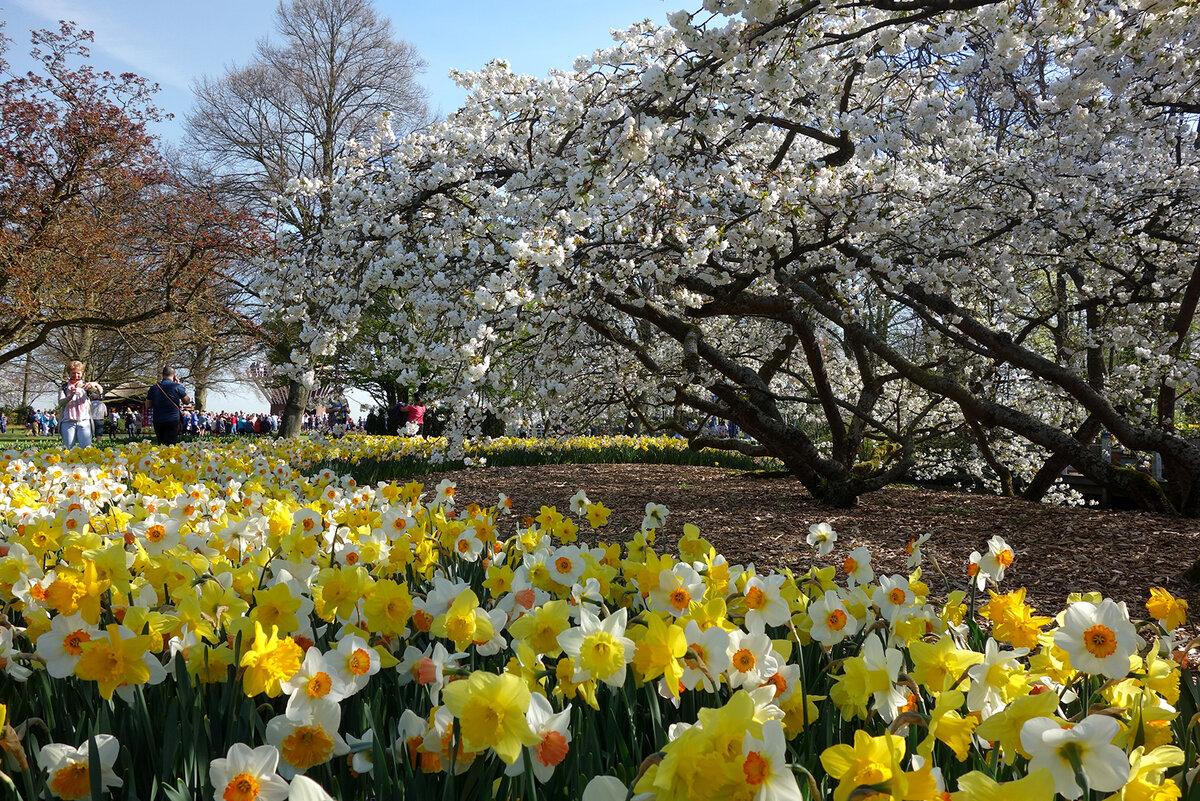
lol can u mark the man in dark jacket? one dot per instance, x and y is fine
(168, 398)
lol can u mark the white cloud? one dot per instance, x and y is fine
(134, 45)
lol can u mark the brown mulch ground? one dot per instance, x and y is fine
(1058, 550)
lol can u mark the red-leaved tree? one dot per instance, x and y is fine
(95, 230)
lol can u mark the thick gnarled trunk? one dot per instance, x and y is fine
(293, 409)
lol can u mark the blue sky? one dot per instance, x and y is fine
(172, 43)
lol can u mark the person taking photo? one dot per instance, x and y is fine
(75, 398)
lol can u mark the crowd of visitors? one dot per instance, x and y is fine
(41, 423)
(81, 417)
(132, 422)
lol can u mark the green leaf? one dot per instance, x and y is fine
(94, 772)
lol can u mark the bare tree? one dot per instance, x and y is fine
(290, 111)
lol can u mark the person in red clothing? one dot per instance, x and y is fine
(416, 418)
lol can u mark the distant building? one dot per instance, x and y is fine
(128, 395)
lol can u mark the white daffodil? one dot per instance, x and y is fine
(765, 604)
(578, 503)
(707, 656)
(764, 765)
(751, 659)
(566, 564)
(467, 546)
(303, 788)
(600, 650)
(892, 596)
(308, 522)
(362, 760)
(1086, 747)
(883, 667)
(605, 788)
(444, 493)
(306, 744)
(1098, 638)
(998, 557)
(354, 661)
(62, 644)
(857, 567)
(676, 590)
(68, 771)
(157, 533)
(913, 550)
(315, 680)
(822, 537)
(396, 523)
(656, 516)
(553, 730)
(831, 621)
(995, 680)
(428, 667)
(247, 773)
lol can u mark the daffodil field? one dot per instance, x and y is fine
(232, 621)
(374, 458)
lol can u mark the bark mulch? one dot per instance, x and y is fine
(765, 519)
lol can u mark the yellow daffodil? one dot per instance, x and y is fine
(115, 660)
(566, 686)
(338, 590)
(491, 711)
(541, 627)
(221, 604)
(706, 760)
(1169, 611)
(871, 762)
(693, 547)
(1147, 769)
(209, 665)
(464, 622)
(938, 665)
(1013, 620)
(658, 651)
(597, 515)
(276, 606)
(1004, 727)
(978, 786)
(269, 661)
(388, 607)
(948, 726)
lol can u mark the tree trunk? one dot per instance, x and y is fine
(1180, 327)
(1143, 489)
(1182, 480)
(1045, 477)
(840, 494)
(25, 380)
(201, 397)
(293, 409)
